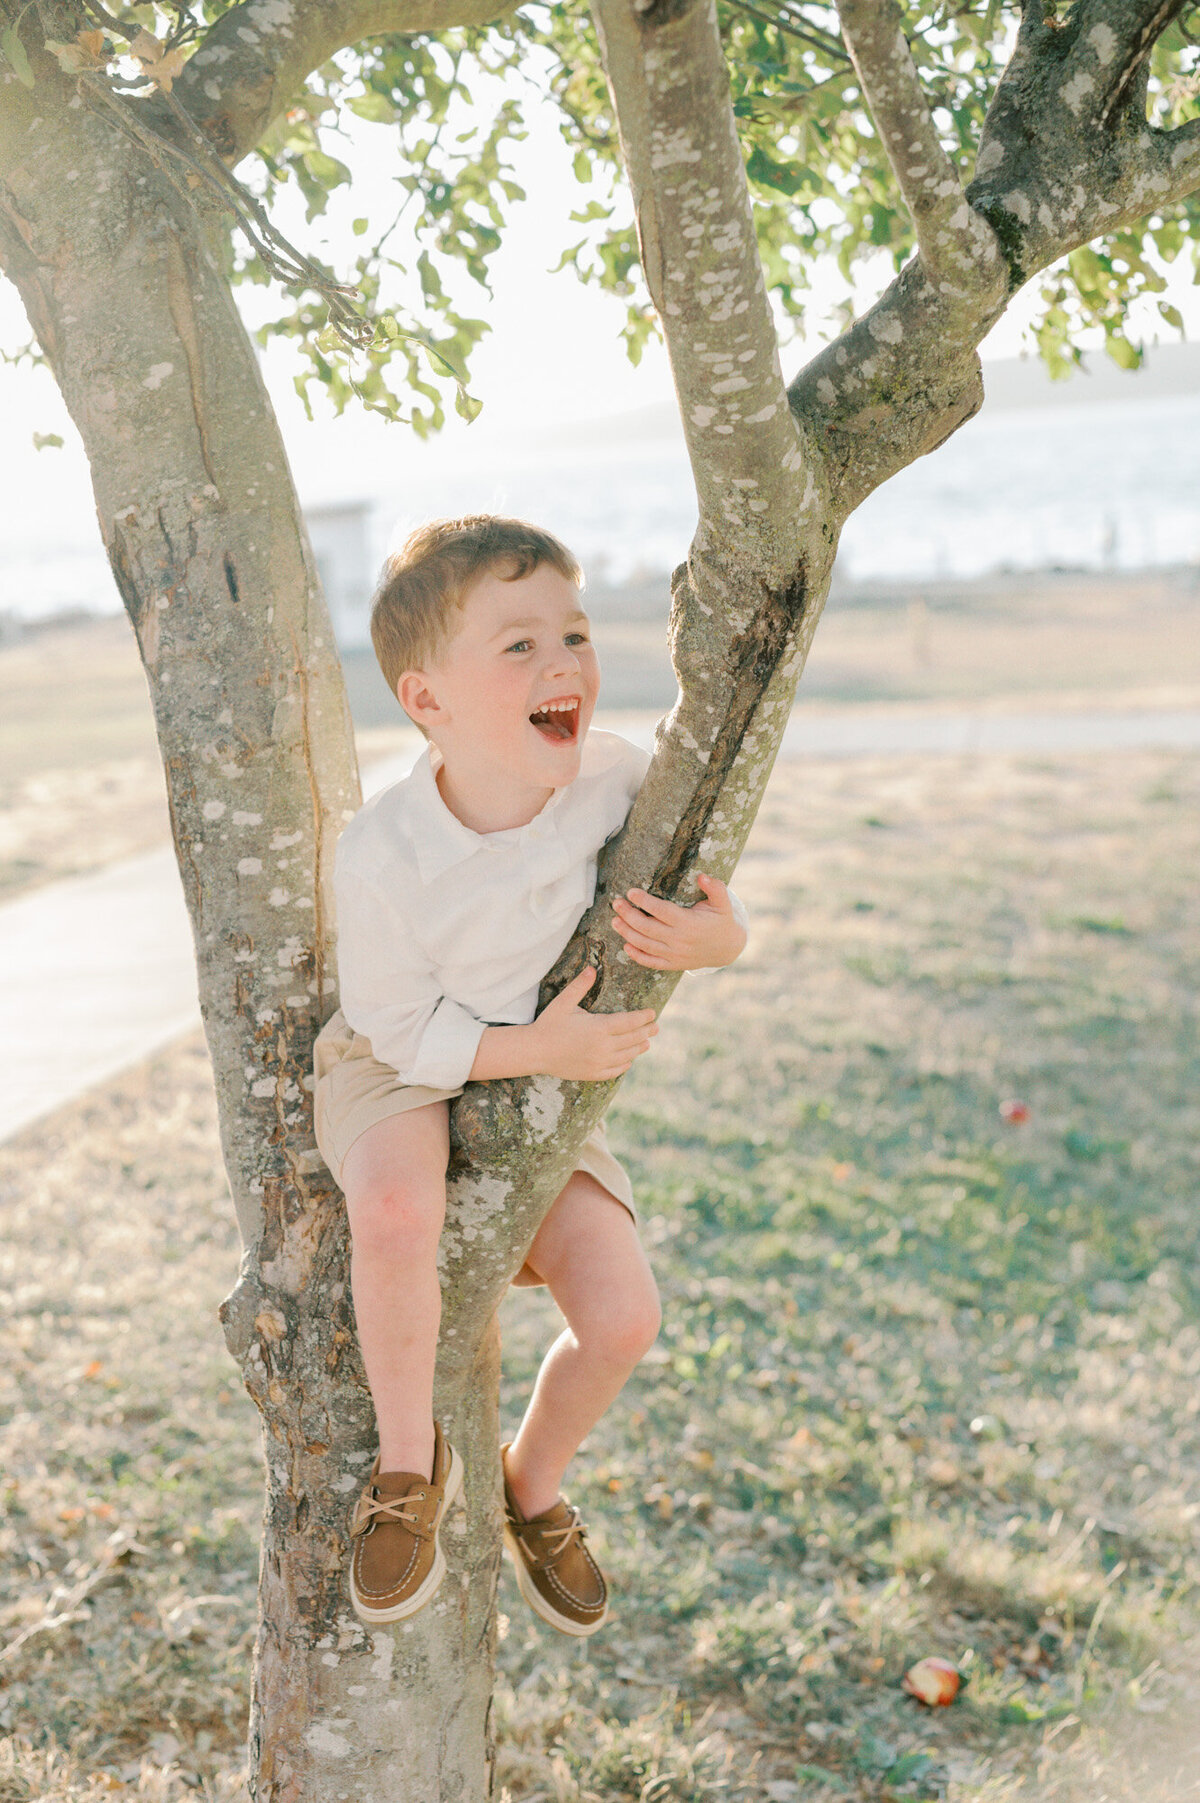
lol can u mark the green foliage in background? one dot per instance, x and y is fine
(451, 106)
(820, 181)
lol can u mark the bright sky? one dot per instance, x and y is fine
(554, 358)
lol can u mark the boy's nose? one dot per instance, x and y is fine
(564, 662)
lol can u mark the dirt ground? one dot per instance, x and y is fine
(928, 1382)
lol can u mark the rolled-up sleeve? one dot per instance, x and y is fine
(426, 1038)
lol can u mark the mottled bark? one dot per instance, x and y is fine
(121, 278)
(958, 249)
(257, 56)
(208, 547)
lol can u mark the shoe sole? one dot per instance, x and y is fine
(538, 1603)
(425, 1592)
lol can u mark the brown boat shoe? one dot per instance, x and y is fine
(555, 1572)
(396, 1562)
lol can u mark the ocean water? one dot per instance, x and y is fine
(1112, 484)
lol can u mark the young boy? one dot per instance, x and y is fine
(457, 889)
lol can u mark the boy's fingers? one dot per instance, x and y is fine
(628, 919)
(625, 1036)
(648, 942)
(579, 985)
(715, 890)
(651, 960)
(654, 905)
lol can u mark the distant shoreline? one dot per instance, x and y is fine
(645, 595)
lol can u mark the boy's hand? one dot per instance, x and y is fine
(588, 1048)
(663, 936)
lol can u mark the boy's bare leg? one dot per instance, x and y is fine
(394, 1180)
(588, 1251)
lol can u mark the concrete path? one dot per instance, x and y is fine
(97, 972)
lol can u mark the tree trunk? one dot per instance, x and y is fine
(206, 542)
(208, 547)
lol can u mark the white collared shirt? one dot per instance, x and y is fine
(443, 931)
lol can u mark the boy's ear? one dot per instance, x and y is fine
(418, 699)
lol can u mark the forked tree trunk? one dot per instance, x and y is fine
(207, 544)
(122, 284)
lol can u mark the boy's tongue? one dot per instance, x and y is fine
(559, 725)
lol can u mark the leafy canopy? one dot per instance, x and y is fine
(448, 107)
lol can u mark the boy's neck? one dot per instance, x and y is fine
(483, 800)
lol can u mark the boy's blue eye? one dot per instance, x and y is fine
(578, 638)
(521, 645)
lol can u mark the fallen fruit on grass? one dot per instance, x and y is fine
(1014, 1112)
(932, 1681)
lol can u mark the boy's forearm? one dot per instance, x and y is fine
(507, 1052)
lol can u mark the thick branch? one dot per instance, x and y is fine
(894, 386)
(258, 56)
(700, 259)
(958, 246)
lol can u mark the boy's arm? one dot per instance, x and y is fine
(391, 993)
(567, 1041)
(663, 936)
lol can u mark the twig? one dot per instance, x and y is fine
(278, 254)
(816, 40)
(118, 1547)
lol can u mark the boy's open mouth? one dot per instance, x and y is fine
(559, 721)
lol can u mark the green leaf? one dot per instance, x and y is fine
(14, 51)
(380, 109)
(1124, 354)
(784, 178)
(822, 186)
(47, 441)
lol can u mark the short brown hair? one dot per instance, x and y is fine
(411, 614)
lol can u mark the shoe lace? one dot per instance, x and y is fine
(390, 1508)
(557, 1540)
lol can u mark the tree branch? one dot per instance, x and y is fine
(1120, 34)
(958, 247)
(782, 21)
(257, 57)
(894, 386)
(700, 258)
(1179, 162)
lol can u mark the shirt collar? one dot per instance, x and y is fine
(442, 841)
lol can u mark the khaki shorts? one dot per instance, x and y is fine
(353, 1091)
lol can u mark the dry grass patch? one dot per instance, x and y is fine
(927, 1381)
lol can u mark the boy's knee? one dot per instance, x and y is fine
(628, 1332)
(396, 1218)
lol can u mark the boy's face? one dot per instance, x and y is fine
(516, 685)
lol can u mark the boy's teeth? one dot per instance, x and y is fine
(561, 715)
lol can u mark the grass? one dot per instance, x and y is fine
(927, 1381)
